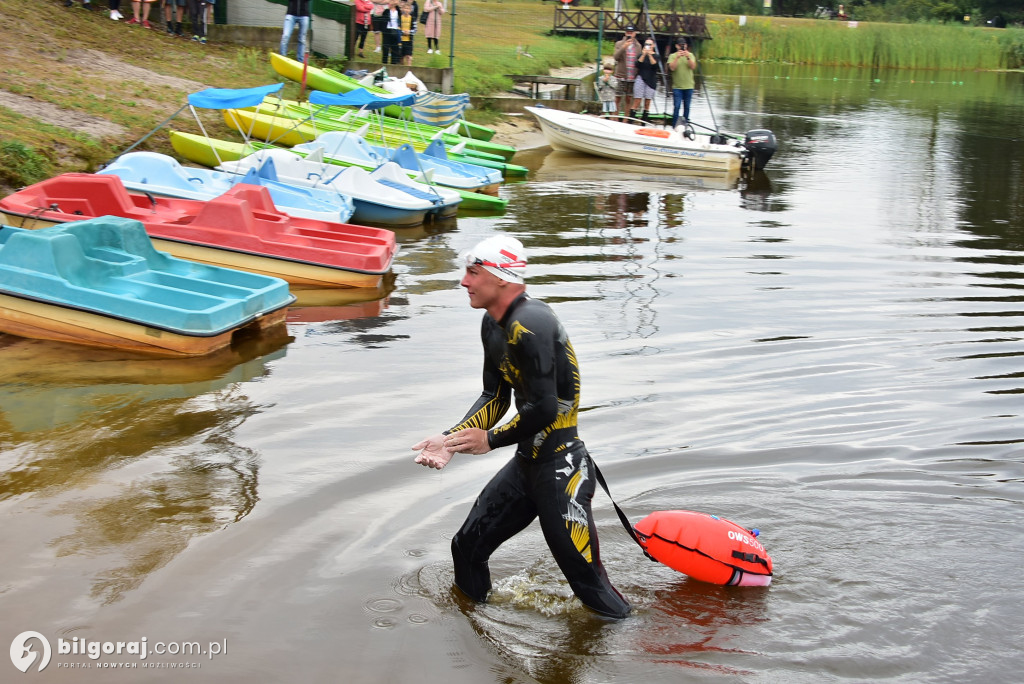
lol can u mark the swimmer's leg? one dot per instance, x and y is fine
(563, 489)
(501, 511)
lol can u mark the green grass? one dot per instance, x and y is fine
(896, 46)
(21, 165)
(508, 37)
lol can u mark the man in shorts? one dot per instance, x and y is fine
(627, 51)
(174, 11)
(140, 13)
(646, 85)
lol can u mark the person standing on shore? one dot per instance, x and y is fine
(392, 34)
(174, 13)
(682, 64)
(363, 10)
(645, 88)
(378, 22)
(297, 15)
(140, 13)
(197, 18)
(607, 87)
(432, 11)
(627, 51)
(408, 28)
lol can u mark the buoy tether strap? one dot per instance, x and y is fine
(622, 516)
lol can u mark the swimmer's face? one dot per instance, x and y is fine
(482, 286)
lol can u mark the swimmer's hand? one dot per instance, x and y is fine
(468, 441)
(433, 453)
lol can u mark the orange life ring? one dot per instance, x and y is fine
(706, 548)
(653, 132)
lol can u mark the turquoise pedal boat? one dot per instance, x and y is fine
(101, 283)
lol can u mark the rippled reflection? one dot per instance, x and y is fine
(138, 452)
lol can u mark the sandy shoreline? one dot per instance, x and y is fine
(521, 132)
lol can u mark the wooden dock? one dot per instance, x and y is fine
(571, 84)
(592, 21)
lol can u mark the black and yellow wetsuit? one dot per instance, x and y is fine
(551, 476)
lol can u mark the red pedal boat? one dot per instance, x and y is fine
(241, 229)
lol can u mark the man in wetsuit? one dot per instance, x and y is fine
(551, 476)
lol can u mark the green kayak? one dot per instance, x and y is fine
(331, 81)
(259, 124)
(410, 130)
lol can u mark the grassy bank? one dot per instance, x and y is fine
(895, 46)
(508, 37)
(76, 88)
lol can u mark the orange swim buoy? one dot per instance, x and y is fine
(706, 548)
(653, 132)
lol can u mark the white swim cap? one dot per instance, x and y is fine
(502, 255)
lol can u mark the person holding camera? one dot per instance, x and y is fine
(626, 53)
(682, 64)
(646, 85)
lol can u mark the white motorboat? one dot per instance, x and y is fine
(682, 148)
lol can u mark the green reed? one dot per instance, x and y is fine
(900, 46)
(21, 165)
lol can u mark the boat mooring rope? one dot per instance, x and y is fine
(145, 137)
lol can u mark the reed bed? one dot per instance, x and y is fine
(897, 46)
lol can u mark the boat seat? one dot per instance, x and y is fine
(236, 212)
(344, 145)
(436, 149)
(104, 195)
(405, 156)
(118, 260)
(652, 132)
(84, 253)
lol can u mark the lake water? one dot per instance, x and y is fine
(832, 351)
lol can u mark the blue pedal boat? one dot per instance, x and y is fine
(383, 197)
(356, 149)
(160, 174)
(100, 282)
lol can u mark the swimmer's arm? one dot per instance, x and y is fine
(493, 402)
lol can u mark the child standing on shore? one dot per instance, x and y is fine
(408, 25)
(606, 86)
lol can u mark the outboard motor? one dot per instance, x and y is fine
(760, 145)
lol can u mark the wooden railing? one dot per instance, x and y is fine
(589, 20)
